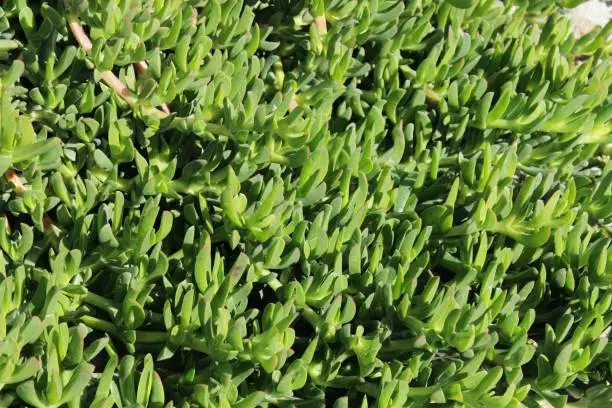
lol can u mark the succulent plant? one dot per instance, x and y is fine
(304, 203)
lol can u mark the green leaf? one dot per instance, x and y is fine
(563, 358)
(462, 4)
(27, 392)
(77, 383)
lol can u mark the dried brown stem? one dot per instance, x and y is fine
(141, 67)
(13, 178)
(107, 76)
(293, 103)
(321, 24)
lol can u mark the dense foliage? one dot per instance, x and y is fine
(304, 203)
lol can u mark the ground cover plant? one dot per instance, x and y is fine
(240, 203)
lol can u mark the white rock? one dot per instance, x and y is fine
(588, 15)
